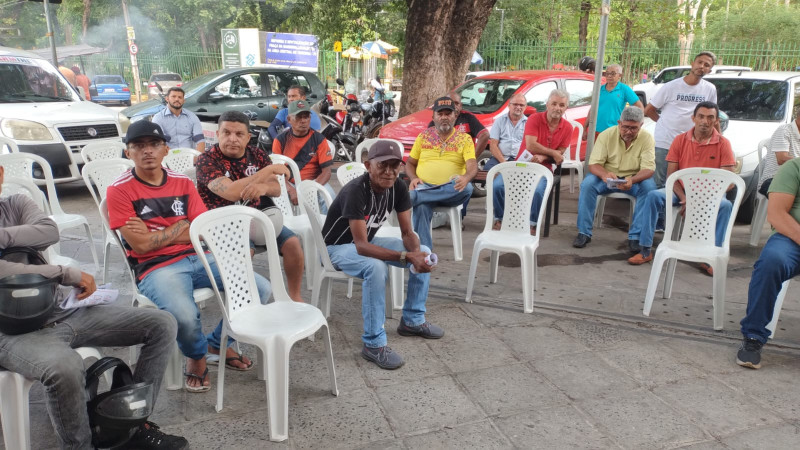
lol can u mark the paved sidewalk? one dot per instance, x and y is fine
(585, 370)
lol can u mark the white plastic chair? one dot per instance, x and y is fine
(363, 147)
(274, 327)
(180, 159)
(777, 310)
(21, 165)
(514, 235)
(11, 146)
(14, 407)
(705, 189)
(601, 206)
(173, 375)
(760, 215)
(575, 163)
(94, 151)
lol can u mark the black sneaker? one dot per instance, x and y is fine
(634, 247)
(749, 354)
(384, 357)
(149, 436)
(426, 330)
(581, 240)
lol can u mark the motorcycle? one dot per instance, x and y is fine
(345, 127)
(259, 135)
(381, 113)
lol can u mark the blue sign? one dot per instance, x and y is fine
(292, 51)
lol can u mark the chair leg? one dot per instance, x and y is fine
(396, 282)
(758, 221)
(14, 410)
(278, 391)
(669, 278)
(350, 288)
(455, 231)
(535, 271)
(328, 284)
(652, 284)
(221, 370)
(494, 262)
(326, 336)
(777, 310)
(473, 266)
(720, 276)
(106, 257)
(556, 201)
(91, 247)
(572, 181)
(632, 206)
(173, 376)
(526, 261)
(317, 291)
(598, 211)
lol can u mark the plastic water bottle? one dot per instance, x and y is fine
(431, 260)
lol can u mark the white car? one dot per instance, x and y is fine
(646, 91)
(475, 94)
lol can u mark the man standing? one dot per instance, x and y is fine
(507, 132)
(784, 145)
(614, 95)
(547, 136)
(233, 171)
(46, 354)
(82, 80)
(702, 146)
(441, 165)
(355, 216)
(676, 100)
(779, 261)
(624, 153)
(293, 94)
(182, 127)
(152, 208)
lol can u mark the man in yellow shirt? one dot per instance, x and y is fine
(441, 167)
(623, 160)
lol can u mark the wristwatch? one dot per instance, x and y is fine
(403, 257)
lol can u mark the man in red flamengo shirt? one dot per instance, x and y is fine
(547, 136)
(152, 208)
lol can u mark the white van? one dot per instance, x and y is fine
(44, 115)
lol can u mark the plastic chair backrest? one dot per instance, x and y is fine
(98, 175)
(12, 146)
(94, 151)
(761, 150)
(311, 193)
(568, 154)
(283, 201)
(520, 180)
(705, 188)
(348, 172)
(115, 235)
(316, 226)
(364, 145)
(23, 186)
(22, 165)
(180, 159)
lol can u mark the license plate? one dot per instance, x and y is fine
(109, 90)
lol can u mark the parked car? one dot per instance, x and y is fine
(646, 91)
(471, 75)
(111, 89)
(497, 88)
(44, 115)
(165, 80)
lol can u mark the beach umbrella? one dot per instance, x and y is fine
(380, 48)
(356, 53)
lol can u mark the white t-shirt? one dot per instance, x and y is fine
(677, 101)
(785, 139)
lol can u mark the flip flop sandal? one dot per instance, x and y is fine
(239, 358)
(196, 389)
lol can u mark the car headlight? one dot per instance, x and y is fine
(25, 130)
(739, 164)
(124, 122)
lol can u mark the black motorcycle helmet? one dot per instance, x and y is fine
(586, 63)
(115, 415)
(26, 302)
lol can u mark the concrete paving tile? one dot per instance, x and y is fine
(477, 351)
(479, 435)
(705, 445)
(649, 364)
(494, 316)
(420, 362)
(600, 336)
(509, 389)
(765, 438)
(308, 372)
(428, 404)
(638, 419)
(534, 342)
(584, 376)
(560, 427)
(710, 357)
(225, 431)
(454, 320)
(771, 386)
(717, 408)
(346, 421)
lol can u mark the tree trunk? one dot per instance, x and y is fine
(440, 39)
(627, 38)
(87, 10)
(583, 26)
(202, 34)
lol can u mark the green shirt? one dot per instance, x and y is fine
(610, 152)
(787, 181)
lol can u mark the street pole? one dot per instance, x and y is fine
(50, 33)
(591, 121)
(137, 84)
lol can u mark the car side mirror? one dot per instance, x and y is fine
(216, 96)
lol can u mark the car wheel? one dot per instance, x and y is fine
(127, 103)
(479, 187)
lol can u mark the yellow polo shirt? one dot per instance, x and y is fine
(441, 159)
(610, 152)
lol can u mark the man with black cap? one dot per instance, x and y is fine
(355, 216)
(152, 208)
(441, 166)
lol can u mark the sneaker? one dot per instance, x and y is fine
(427, 330)
(633, 246)
(749, 354)
(581, 240)
(149, 436)
(384, 357)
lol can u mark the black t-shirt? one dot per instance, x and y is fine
(357, 200)
(466, 122)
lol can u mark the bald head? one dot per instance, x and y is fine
(516, 107)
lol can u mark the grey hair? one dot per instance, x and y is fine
(558, 93)
(632, 114)
(615, 66)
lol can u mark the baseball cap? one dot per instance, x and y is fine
(299, 106)
(144, 128)
(384, 149)
(443, 103)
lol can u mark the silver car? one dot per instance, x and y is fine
(165, 80)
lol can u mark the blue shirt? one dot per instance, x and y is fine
(282, 118)
(183, 131)
(612, 103)
(509, 136)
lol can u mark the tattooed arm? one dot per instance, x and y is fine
(232, 190)
(142, 240)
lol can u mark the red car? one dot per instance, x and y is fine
(487, 97)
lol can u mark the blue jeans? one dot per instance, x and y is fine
(425, 200)
(660, 177)
(592, 186)
(493, 162)
(170, 288)
(499, 199)
(375, 275)
(654, 204)
(779, 261)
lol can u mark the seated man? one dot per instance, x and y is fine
(293, 94)
(779, 261)
(620, 152)
(702, 146)
(308, 148)
(233, 171)
(45, 354)
(784, 145)
(355, 216)
(441, 166)
(152, 208)
(547, 136)
(507, 132)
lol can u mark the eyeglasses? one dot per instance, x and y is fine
(519, 105)
(612, 74)
(138, 146)
(629, 127)
(385, 166)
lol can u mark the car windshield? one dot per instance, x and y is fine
(109, 79)
(166, 77)
(191, 87)
(671, 74)
(484, 96)
(757, 100)
(27, 80)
